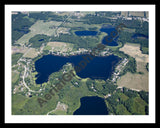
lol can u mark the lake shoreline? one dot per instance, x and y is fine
(104, 63)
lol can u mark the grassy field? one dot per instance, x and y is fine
(18, 49)
(138, 80)
(39, 27)
(134, 51)
(15, 76)
(31, 53)
(60, 109)
(130, 30)
(18, 101)
(134, 81)
(72, 95)
(59, 46)
(21, 105)
(16, 57)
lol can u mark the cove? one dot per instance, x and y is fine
(93, 105)
(98, 68)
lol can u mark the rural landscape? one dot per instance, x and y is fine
(49, 48)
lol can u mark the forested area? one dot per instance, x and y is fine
(102, 89)
(78, 41)
(46, 16)
(22, 22)
(141, 32)
(20, 26)
(131, 66)
(127, 37)
(128, 102)
(121, 101)
(90, 19)
(38, 40)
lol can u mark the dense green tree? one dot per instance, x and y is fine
(144, 95)
(38, 40)
(20, 26)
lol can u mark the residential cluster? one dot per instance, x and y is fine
(118, 69)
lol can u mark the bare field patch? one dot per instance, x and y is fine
(134, 51)
(135, 81)
(61, 109)
(56, 44)
(18, 49)
(60, 46)
(31, 53)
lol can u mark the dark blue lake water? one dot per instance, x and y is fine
(139, 35)
(109, 29)
(97, 68)
(112, 39)
(93, 105)
(86, 33)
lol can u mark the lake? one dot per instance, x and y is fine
(138, 35)
(108, 29)
(86, 33)
(98, 68)
(105, 28)
(92, 105)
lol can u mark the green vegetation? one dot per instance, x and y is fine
(21, 105)
(144, 96)
(79, 42)
(101, 87)
(131, 66)
(38, 40)
(46, 16)
(90, 19)
(126, 102)
(125, 36)
(143, 29)
(15, 77)
(20, 26)
(16, 57)
(18, 101)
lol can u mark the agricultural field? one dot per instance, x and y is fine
(31, 53)
(134, 51)
(40, 27)
(59, 46)
(19, 49)
(138, 80)
(15, 76)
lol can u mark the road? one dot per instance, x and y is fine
(25, 83)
